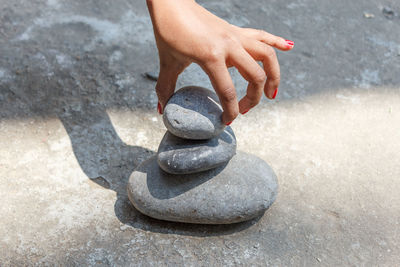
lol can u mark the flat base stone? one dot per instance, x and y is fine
(238, 191)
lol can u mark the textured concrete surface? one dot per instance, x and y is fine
(238, 191)
(77, 116)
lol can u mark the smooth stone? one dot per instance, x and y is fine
(194, 113)
(181, 156)
(238, 191)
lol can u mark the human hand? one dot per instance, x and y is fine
(185, 33)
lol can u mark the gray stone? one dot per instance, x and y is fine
(388, 12)
(181, 156)
(238, 191)
(194, 113)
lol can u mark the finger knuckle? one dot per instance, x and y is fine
(214, 54)
(274, 81)
(253, 100)
(270, 52)
(275, 41)
(277, 77)
(228, 96)
(260, 34)
(259, 77)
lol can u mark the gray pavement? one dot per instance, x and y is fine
(77, 116)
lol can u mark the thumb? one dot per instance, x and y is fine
(165, 87)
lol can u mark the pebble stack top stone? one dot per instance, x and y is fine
(197, 176)
(194, 113)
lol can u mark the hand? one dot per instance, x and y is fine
(185, 32)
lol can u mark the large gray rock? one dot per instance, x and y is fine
(194, 113)
(181, 156)
(238, 191)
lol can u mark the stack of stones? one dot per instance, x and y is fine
(197, 175)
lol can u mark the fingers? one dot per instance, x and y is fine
(223, 85)
(253, 73)
(165, 86)
(269, 39)
(262, 52)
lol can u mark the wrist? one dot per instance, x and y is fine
(161, 10)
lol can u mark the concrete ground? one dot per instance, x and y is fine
(77, 116)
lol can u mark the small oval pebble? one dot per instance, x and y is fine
(240, 190)
(194, 113)
(181, 156)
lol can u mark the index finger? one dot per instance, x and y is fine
(223, 86)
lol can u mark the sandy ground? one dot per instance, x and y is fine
(77, 116)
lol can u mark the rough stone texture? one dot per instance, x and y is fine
(181, 156)
(238, 191)
(77, 116)
(194, 113)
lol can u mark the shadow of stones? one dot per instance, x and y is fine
(80, 103)
(146, 223)
(109, 162)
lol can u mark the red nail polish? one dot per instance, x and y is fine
(229, 123)
(159, 108)
(245, 112)
(291, 43)
(275, 93)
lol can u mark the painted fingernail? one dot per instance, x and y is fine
(229, 123)
(159, 108)
(245, 112)
(289, 43)
(275, 93)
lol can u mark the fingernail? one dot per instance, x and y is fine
(275, 93)
(159, 108)
(229, 123)
(289, 43)
(245, 112)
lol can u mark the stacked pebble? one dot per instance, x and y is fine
(197, 176)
